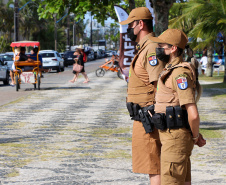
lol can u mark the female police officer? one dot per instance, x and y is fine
(176, 115)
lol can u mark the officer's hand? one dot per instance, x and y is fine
(200, 141)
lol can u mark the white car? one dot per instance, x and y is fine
(52, 60)
(7, 57)
(4, 73)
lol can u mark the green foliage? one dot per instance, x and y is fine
(4, 45)
(200, 19)
(100, 9)
(32, 27)
(6, 26)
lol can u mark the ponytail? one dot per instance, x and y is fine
(195, 64)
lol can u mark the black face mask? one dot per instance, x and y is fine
(130, 32)
(160, 54)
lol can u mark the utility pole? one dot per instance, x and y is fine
(68, 29)
(55, 31)
(16, 25)
(91, 30)
(74, 33)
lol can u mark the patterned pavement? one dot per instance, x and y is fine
(80, 134)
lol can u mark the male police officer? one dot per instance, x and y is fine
(143, 76)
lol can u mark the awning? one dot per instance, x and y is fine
(25, 43)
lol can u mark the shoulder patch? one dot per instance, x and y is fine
(152, 59)
(182, 81)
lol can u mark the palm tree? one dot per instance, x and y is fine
(6, 26)
(203, 19)
(29, 19)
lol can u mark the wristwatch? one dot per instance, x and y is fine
(194, 138)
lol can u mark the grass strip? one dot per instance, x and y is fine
(211, 133)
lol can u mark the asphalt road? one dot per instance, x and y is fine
(51, 80)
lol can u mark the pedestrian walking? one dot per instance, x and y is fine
(143, 76)
(82, 50)
(80, 61)
(176, 114)
(203, 62)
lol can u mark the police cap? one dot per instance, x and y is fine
(140, 13)
(174, 37)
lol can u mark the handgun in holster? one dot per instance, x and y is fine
(146, 118)
(129, 106)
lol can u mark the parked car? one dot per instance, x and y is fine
(62, 55)
(97, 54)
(52, 60)
(69, 58)
(101, 53)
(4, 72)
(6, 57)
(90, 55)
(109, 53)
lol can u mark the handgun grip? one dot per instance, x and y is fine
(129, 106)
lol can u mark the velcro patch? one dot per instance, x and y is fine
(130, 72)
(152, 59)
(182, 81)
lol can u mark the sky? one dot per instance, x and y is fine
(87, 16)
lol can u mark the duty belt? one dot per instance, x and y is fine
(175, 118)
(141, 114)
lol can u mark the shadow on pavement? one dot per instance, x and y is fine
(55, 88)
(11, 140)
(213, 126)
(212, 92)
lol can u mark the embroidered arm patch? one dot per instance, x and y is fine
(182, 81)
(152, 59)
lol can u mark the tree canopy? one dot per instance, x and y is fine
(200, 19)
(101, 9)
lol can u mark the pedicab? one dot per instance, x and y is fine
(27, 71)
(109, 65)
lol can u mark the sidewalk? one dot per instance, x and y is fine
(80, 134)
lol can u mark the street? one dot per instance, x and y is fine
(51, 80)
(80, 134)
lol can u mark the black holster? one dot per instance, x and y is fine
(159, 120)
(146, 119)
(141, 114)
(133, 110)
(175, 118)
